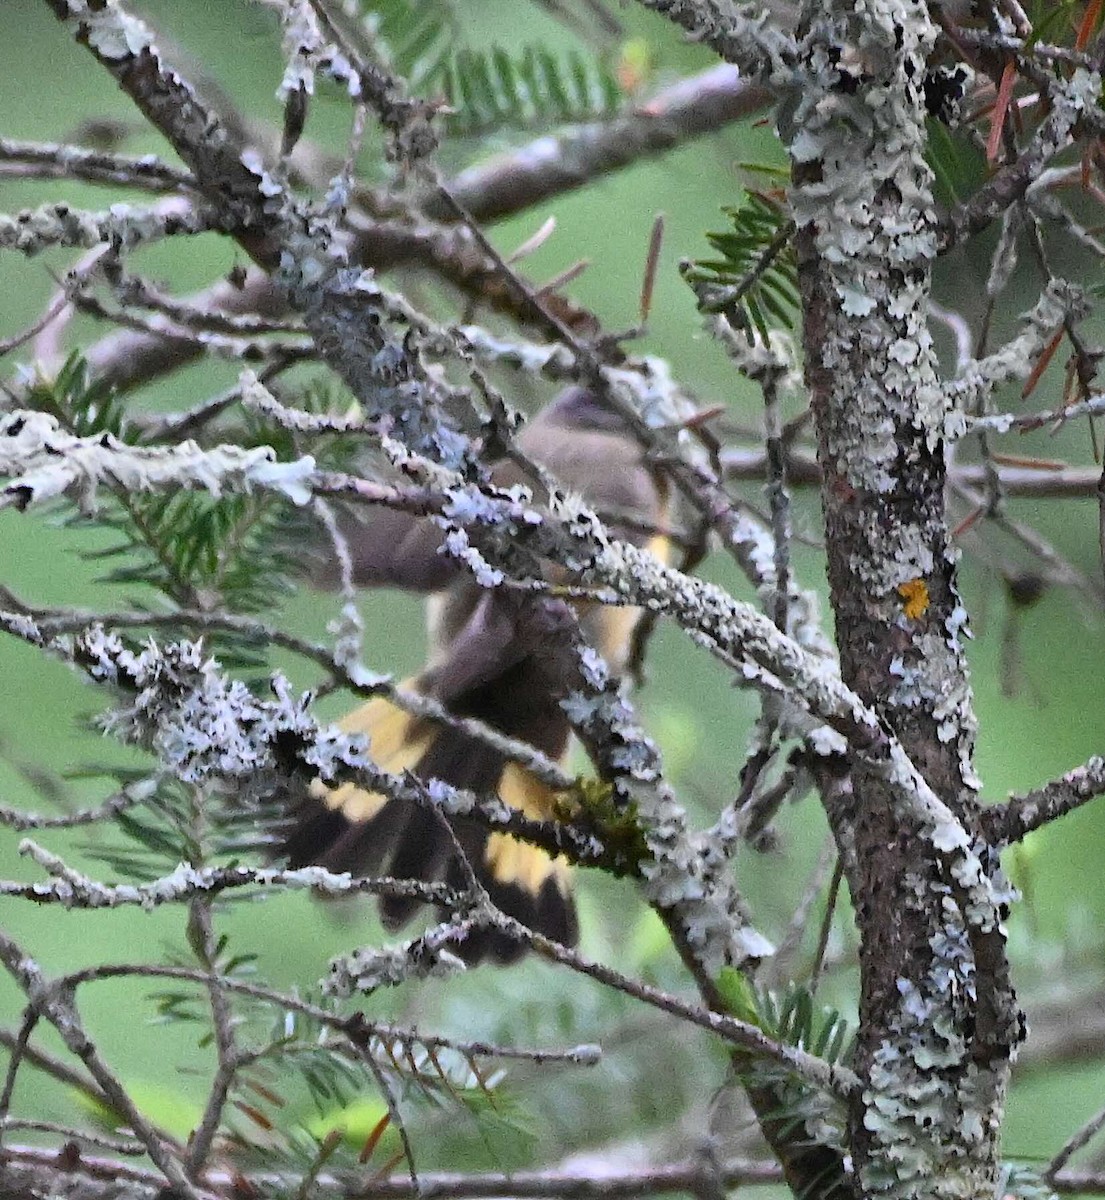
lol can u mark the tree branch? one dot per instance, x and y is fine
(1006, 823)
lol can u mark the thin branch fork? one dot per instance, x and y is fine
(57, 1007)
(44, 160)
(355, 1028)
(836, 1079)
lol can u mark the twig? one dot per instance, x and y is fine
(203, 332)
(750, 463)
(1075, 1143)
(56, 1006)
(549, 167)
(114, 1145)
(1057, 569)
(826, 925)
(798, 925)
(45, 160)
(134, 291)
(71, 889)
(1006, 823)
(18, 1050)
(205, 946)
(356, 1028)
(684, 1176)
(1024, 422)
(396, 1114)
(53, 1067)
(839, 1080)
(124, 799)
(778, 497)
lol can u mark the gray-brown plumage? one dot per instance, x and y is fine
(481, 667)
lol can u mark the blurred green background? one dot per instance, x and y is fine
(1037, 674)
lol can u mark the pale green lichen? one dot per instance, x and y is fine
(866, 210)
(40, 461)
(111, 32)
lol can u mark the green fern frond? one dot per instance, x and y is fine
(491, 90)
(192, 547)
(754, 282)
(148, 840)
(337, 1078)
(791, 1017)
(412, 38)
(488, 90)
(801, 1111)
(83, 405)
(199, 549)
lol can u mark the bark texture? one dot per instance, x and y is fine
(938, 1015)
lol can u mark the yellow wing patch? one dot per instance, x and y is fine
(610, 627)
(512, 862)
(659, 545)
(394, 747)
(396, 744)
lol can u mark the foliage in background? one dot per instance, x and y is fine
(240, 553)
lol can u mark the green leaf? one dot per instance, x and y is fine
(161, 1106)
(739, 996)
(958, 165)
(356, 1119)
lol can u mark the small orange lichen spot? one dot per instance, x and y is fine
(915, 593)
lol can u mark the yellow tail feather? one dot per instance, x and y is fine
(397, 741)
(509, 861)
(394, 746)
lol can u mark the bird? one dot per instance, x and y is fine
(479, 667)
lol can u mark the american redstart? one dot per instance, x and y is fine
(479, 668)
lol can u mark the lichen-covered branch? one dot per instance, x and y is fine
(1072, 100)
(739, 33)
(1009, 822)
(57, 1006)
(32, 232)
(46, 160)
(41, 461)
(72, 889)
(977, 379)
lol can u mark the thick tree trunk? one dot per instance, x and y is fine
(938, 1016)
